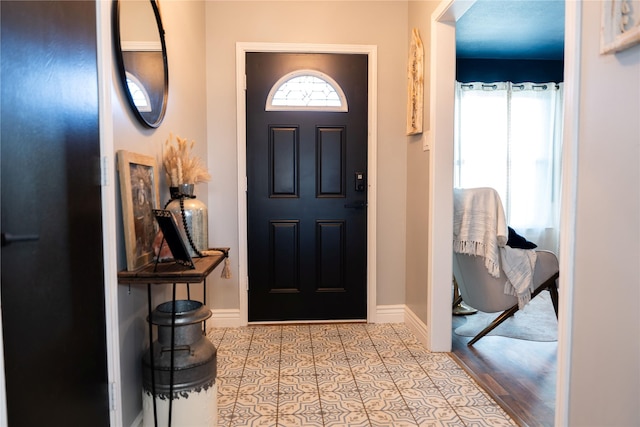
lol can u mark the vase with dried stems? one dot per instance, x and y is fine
(183, 170)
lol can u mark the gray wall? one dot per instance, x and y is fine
(417, 170)
(185, 38)
(604, 386)
(381, 23)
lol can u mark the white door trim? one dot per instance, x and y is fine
(440, 139)
(109, 210)
(566, 256)
(372, 52)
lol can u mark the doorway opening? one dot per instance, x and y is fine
(441, 185)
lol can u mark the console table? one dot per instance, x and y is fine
(171, 273)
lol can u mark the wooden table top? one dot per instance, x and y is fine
(172, 272)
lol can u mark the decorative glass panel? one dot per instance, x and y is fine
(139, 94)
(306, 90)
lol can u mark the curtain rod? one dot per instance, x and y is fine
(486, 86)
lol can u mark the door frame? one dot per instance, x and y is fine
(440, 137)
(241, 113)
(109, 208)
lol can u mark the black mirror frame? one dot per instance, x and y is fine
(122, 71)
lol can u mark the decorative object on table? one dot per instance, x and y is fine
(620, 25)
(191, 215)
(161, 249)
(171, 238)
(415, 84)
(226, 270)
(139, 194)
(183, 170)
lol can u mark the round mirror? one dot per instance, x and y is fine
(142, 58)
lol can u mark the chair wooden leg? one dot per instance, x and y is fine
(553, 291)
(457, 298)
(498, 320)
(456, 301)
(550, 284)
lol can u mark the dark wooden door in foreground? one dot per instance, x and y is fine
(53, 304)
(306, 194)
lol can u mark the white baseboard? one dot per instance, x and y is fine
(225, 318)
(230, 318)
(416, 326)
(397, 313)
(390, 313)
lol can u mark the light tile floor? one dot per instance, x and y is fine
(351, 374)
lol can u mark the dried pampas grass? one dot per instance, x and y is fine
(180, 166)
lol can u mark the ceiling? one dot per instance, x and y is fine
(512, 29)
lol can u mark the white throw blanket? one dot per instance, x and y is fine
(479, 225)
(518, 265)
(480, 229)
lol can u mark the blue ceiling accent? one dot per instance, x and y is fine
(512, 29)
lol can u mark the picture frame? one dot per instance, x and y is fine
(139, 194)
(620, 27)
(172, 237)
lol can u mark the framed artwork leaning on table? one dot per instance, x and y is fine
(139, 195)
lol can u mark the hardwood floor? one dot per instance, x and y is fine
(520, 375)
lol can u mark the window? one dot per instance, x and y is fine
(139, 94)
(508, 137)
(306, 90)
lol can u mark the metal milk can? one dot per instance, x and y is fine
(184, 377)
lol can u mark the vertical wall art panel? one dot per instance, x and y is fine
(620, 27)
(283, 156)
(331, 255)
(284, 256)
(331, 162)
(415, 84)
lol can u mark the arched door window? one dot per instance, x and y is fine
(306, 90)
(139, 93)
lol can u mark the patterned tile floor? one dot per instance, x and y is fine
(351, 374)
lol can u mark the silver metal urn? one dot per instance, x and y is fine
(191, 217)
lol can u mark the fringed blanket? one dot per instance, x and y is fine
(479, 225)
(518, 265)
(480, 229)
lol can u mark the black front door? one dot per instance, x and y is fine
(53, 312)
(307, 216)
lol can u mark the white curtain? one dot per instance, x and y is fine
(508, 136)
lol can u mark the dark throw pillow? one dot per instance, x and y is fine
(517, 241)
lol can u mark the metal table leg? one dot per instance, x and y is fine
(152, 361)
(173, 337)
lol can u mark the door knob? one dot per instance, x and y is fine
(356, 205)
(12, 238)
